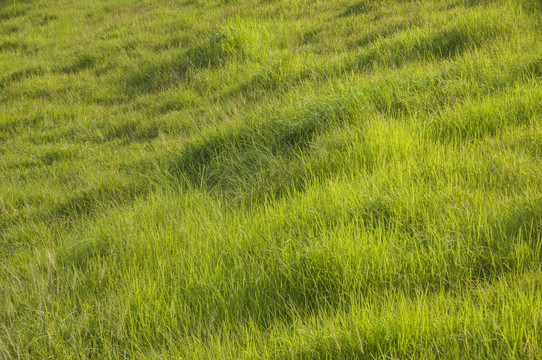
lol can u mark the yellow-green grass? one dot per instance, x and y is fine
(271, 179)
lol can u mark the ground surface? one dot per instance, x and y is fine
(270, 179)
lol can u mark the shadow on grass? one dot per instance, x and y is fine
(16, 46)
(220, 47)
(484, 118)
(274, 80)
(10, 9)
(358, 8)
(81, 62)
(20, 75)
(228, 158)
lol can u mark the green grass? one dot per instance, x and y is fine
(279, 179)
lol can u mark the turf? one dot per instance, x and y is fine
(280, 179)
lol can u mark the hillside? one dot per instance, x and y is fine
(270, 179)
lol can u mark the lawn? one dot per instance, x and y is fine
(271, 179)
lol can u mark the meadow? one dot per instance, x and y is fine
(270, 179)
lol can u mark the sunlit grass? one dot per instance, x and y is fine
(270, 179)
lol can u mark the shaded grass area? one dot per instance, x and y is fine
(270, 179)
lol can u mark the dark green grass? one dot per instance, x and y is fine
(270, 179)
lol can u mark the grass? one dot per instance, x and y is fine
(270, 179)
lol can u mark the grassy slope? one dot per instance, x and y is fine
(270, 179)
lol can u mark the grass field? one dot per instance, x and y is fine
(275, 179)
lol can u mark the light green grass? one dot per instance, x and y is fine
(279, 179)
